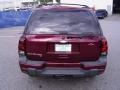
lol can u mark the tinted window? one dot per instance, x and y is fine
(66, 22)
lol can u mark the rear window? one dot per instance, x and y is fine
(62, 22)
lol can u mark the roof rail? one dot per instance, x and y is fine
(84, 6)
(75, 4)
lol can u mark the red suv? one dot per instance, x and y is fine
(63, 40)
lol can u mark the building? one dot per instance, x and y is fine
(16, 3)
(112, 6)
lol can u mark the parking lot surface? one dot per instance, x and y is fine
(11, 77)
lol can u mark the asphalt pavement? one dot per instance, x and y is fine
(11, 78)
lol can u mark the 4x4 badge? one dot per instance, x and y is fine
(91, 44)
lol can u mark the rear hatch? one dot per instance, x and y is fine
(64, 35)
(62, 48)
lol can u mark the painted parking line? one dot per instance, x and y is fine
(8, 36)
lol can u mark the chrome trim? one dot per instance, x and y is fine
(63, 41)
(34, 54)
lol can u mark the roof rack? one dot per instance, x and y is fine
(74, 4)
(83, 6)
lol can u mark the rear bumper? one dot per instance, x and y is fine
(41, 68)
(63, 72)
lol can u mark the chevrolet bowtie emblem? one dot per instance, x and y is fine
(63, 41)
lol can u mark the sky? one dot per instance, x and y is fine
(13, 0)
(9, 0)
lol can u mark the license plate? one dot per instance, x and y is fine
(63, 47)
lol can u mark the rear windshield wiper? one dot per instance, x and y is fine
(63, 33)
(88, 34)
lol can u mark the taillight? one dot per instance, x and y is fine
(21, 46)
(104, 47)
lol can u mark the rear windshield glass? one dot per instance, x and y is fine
(62, 22)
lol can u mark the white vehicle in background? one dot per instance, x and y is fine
(8, 9)
(17, 8)
(24, 8)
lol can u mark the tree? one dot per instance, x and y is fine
(46, 1)
(58, 1)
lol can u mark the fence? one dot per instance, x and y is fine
(13, 18)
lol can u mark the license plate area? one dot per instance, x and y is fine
(63, 47)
